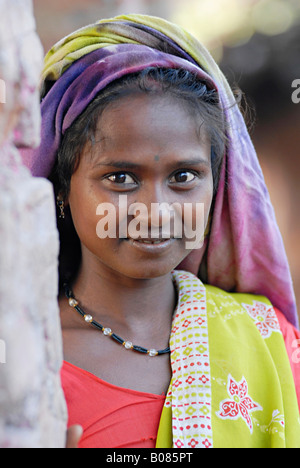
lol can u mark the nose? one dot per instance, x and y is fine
(154, 212)
(160, 219)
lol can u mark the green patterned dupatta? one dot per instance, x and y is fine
(232, 385)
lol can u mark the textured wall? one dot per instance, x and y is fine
(32, 406)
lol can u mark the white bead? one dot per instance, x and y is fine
(152, 352)
(88, 318)
(73, 302)
(128, 345)
(107, 331)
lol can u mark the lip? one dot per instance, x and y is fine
(154, 246)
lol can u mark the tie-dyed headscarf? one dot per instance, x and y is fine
(244, 251)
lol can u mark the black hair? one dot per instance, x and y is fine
(199, 98)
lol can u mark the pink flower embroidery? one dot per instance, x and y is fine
(206, 443)
(193, 443)
(179, 443)
(241, 405)
(264, 317)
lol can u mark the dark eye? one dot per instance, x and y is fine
(182, 177)
(121, 178)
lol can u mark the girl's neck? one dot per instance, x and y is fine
(128, 300)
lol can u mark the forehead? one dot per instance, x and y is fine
(142, 125)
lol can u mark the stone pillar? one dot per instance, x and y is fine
(32, 405)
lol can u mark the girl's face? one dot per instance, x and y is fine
(148, 151)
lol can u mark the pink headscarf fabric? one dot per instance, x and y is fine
(244, 251)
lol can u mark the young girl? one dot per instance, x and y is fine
(165, 345)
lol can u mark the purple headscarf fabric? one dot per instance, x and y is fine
(81, 83)
(244, 251)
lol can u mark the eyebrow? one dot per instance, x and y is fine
(118, 164)
(131, 165)
(193, 162)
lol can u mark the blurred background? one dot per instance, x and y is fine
(257, 45)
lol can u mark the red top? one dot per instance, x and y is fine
(292, 343)
(105, 410)
(111, 417)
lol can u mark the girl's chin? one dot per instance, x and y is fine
(136, 260)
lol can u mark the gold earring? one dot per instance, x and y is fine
(61, 206)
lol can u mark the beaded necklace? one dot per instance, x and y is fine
(107, 331)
